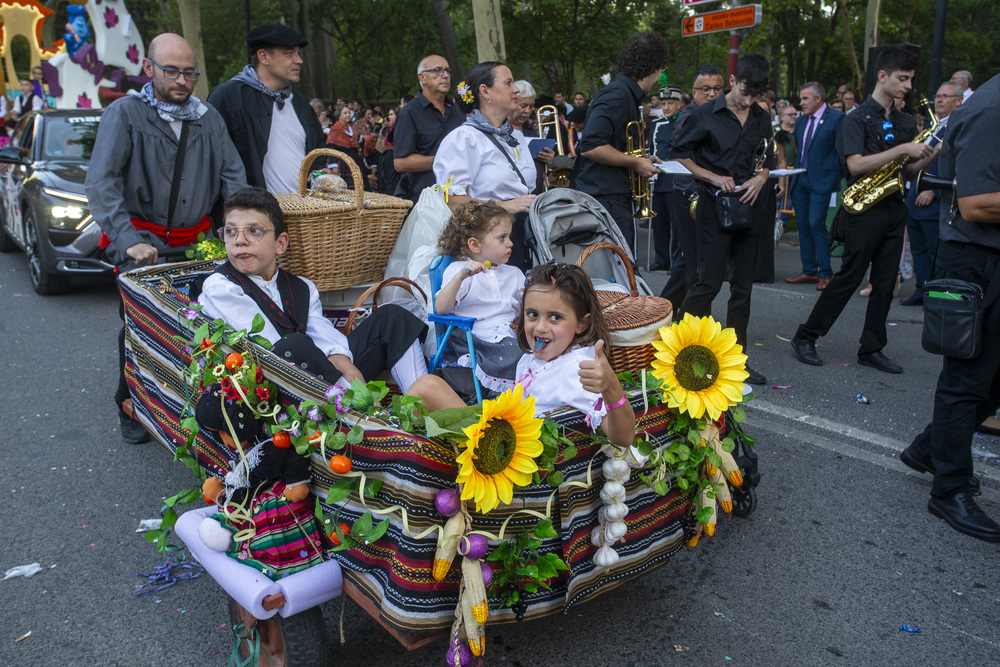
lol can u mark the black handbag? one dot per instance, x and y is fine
(953, 316)
(734, 215)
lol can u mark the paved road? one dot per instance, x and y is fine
(838, 555)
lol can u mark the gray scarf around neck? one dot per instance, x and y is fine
(193, 109)
(477, 120)
(249, 77)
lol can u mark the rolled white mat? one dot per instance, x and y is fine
(309, 588)
(246, 585)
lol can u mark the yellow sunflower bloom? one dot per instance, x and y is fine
(500, 451)
(702, 366)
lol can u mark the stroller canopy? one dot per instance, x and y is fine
(564, 222)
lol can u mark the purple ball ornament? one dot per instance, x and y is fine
(487, 573)
(464, 654)
(448, 502)
(473, 546)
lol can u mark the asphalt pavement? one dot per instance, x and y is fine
(839, 554)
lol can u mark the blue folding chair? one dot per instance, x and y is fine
(448, 324)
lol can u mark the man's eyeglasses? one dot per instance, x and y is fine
(710, 89)
(438, 71)
(943, 97)
(251, 234)
(172, 74)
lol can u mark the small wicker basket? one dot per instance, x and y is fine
(634, 321)
(341, 239)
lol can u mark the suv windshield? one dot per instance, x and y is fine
(69, 137)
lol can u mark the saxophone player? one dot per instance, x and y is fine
(727, 144)
(871, 137)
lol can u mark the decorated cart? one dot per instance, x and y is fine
(420, 559)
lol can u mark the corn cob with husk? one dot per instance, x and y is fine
(474, 606)
(705, 501)
(447, 547)
(722, 491)
(710, 435)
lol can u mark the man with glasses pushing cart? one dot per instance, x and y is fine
(161, 161)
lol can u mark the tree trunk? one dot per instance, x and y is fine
(852, 55)
(489, 30)
(447, 34)
(871, 27)
(191, 26)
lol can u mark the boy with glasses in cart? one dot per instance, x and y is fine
(876, 134)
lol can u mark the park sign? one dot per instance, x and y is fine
(737, 18)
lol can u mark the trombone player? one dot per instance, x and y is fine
(603, 162)
(727, 145)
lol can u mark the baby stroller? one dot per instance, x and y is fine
(563, 222)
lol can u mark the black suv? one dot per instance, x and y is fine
(45, 211)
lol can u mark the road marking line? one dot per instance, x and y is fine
(839, 447)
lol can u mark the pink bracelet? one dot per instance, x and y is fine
(620, 402)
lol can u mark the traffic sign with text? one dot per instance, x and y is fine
(737, 18)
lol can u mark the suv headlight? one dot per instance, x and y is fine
(70, 213)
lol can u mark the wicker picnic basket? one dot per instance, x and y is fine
(634, 320)
(339, 239)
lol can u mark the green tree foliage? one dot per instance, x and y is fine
(569, 44)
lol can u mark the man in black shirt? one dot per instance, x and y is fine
(602, 166)
(875, 134)
(420, 127)
(727, 146)
(708, 85)
(968, 390)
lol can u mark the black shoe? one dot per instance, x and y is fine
(805, 351)
(659, 267)
(755, 377)
(987, 430)
(921, 464)
(879, 361)
(912, 301)
(133, 432)
(964, 515)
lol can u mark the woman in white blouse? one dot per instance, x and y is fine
(486, 158)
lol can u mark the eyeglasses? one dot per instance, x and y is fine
(438, 71)
(251, 234)
(710, 89)
(890, 138)
(172, 74)
(941, 97)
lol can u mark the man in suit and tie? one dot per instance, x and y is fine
(816, 133)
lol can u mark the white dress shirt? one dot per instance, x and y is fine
(492, 296)
(477, 168)
(224, 298)
(556, 384)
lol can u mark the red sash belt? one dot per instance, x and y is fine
(174, 237)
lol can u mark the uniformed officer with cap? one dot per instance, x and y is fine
(272, 126)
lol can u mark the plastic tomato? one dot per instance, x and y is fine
(344, 528)
(281, 439)
(234, 361)
(340, 464)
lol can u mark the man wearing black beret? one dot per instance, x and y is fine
(272, 126)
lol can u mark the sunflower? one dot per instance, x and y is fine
(702, 366)
(500, 450)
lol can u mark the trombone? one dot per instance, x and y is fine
(560, 167)
(635, 145)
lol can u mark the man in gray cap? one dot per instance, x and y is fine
(272, 126)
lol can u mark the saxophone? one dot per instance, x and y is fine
(888, 179)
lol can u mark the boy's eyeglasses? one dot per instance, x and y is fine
(251, 234)
(172, 74)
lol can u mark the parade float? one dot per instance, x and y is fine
(90, 59)
(440, 525)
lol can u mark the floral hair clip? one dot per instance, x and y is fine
(465, 92)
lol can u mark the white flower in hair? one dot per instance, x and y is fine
(606, 78)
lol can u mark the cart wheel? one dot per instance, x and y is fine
(744, 499)
(296, 641)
